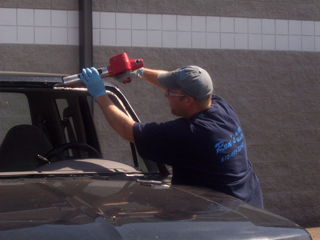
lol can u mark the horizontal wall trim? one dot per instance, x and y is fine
(60, 27)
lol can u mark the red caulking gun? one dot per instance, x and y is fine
(120, 65)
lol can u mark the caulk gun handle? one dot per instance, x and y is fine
(75, 81)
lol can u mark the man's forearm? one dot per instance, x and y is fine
(117, 119)
(151, 76)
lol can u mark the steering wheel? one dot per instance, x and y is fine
(58, 151)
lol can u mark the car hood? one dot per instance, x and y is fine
(124, 208)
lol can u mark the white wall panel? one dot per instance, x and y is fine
(42, 18)
(25, 17)
(154, 39)
(184, 40)
(26, 34)
(317, 43)
(268, 42)
(8, 34)
(8, 17)
(154, 22)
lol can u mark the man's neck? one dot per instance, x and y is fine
(196, 110)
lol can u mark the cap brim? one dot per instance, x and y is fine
(167, 81)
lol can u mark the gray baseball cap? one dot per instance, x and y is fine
(194, 80)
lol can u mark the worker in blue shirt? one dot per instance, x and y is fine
(205, 146)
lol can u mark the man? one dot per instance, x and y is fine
(205, 146)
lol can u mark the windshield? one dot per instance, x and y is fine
(59, 130)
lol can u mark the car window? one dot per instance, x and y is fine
(14, 110)
(69, 133)
(61, 104)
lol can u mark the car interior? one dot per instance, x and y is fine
(55, 125)
(20, 146)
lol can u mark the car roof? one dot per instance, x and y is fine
(15, 79)
(31, 74)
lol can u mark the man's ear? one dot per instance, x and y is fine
(190, 101)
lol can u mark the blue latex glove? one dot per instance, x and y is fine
(92, 79)
(127, 78)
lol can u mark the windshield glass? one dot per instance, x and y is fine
(14, 110)
(57, 130)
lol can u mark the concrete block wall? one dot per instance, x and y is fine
(263, 57)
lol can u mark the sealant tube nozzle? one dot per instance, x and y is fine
(61, 84)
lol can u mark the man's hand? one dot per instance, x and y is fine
(124, 79)
(91, 78)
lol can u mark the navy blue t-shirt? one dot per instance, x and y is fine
(207, 149)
